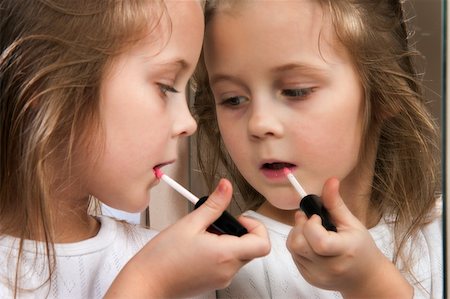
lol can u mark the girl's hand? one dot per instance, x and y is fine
(186, 260)
(347, 261)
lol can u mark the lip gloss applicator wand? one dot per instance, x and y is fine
(225, 224)
(310, 203)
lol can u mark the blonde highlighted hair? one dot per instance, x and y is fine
(54, 54)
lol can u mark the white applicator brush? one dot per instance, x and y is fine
(310, 203)
(225, 224)
(172, 183)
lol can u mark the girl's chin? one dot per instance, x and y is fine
(288, 208)
(284, 203)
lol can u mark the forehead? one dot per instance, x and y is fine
(177, 32)
(277, 28)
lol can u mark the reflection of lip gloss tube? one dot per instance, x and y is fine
(310, 203)
(225, 224)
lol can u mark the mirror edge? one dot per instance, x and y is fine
(446, 149)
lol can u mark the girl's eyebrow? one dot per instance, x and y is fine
(222, 77)
(306, 68)
(176, 63)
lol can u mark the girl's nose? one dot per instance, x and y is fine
(264, 122)
(185, 124)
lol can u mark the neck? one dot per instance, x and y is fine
(73, 223)
(69, 207)
(283, 216)
(356, 190)
(360, 206)
(64, 229)
(76, 228)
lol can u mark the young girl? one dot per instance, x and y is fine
(92, 100)
(327, 89)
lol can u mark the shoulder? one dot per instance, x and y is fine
(432, 252)
(433, 230)
(432, 223)
(429, 235)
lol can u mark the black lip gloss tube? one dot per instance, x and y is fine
(311, 204)
(225, 224)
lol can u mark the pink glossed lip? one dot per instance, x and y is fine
(275, 170)
(158, 172)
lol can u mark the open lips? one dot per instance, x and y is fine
(277, 166)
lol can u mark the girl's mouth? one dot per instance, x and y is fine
(277, 165)
(274, 170)
(156, 169)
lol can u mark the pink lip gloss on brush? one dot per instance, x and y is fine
(310, 203)
(225, 224)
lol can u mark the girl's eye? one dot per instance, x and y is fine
(233, 101)
(165, 89)
(294, 93)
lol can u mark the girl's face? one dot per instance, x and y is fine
(144, 110)
(286, 96)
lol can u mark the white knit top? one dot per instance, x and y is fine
(84, 269)
(276, 276)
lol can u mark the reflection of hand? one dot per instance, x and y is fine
(347, 261)
(185, 259)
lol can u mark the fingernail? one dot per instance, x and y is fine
(222, 188)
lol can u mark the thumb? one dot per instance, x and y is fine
(214, 206)
(334, 203)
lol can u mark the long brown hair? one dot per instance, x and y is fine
(53, 56)
(397, 123)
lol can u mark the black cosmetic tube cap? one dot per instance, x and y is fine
(225, 224)
(311, 204)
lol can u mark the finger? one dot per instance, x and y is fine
(213, 207)
(321, 241)
(300, 218)
(253, 226)
(255, 243)
(297, 230)
(334, 204)
(296, 243)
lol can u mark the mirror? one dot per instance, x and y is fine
(428, 19)
(432, 35)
